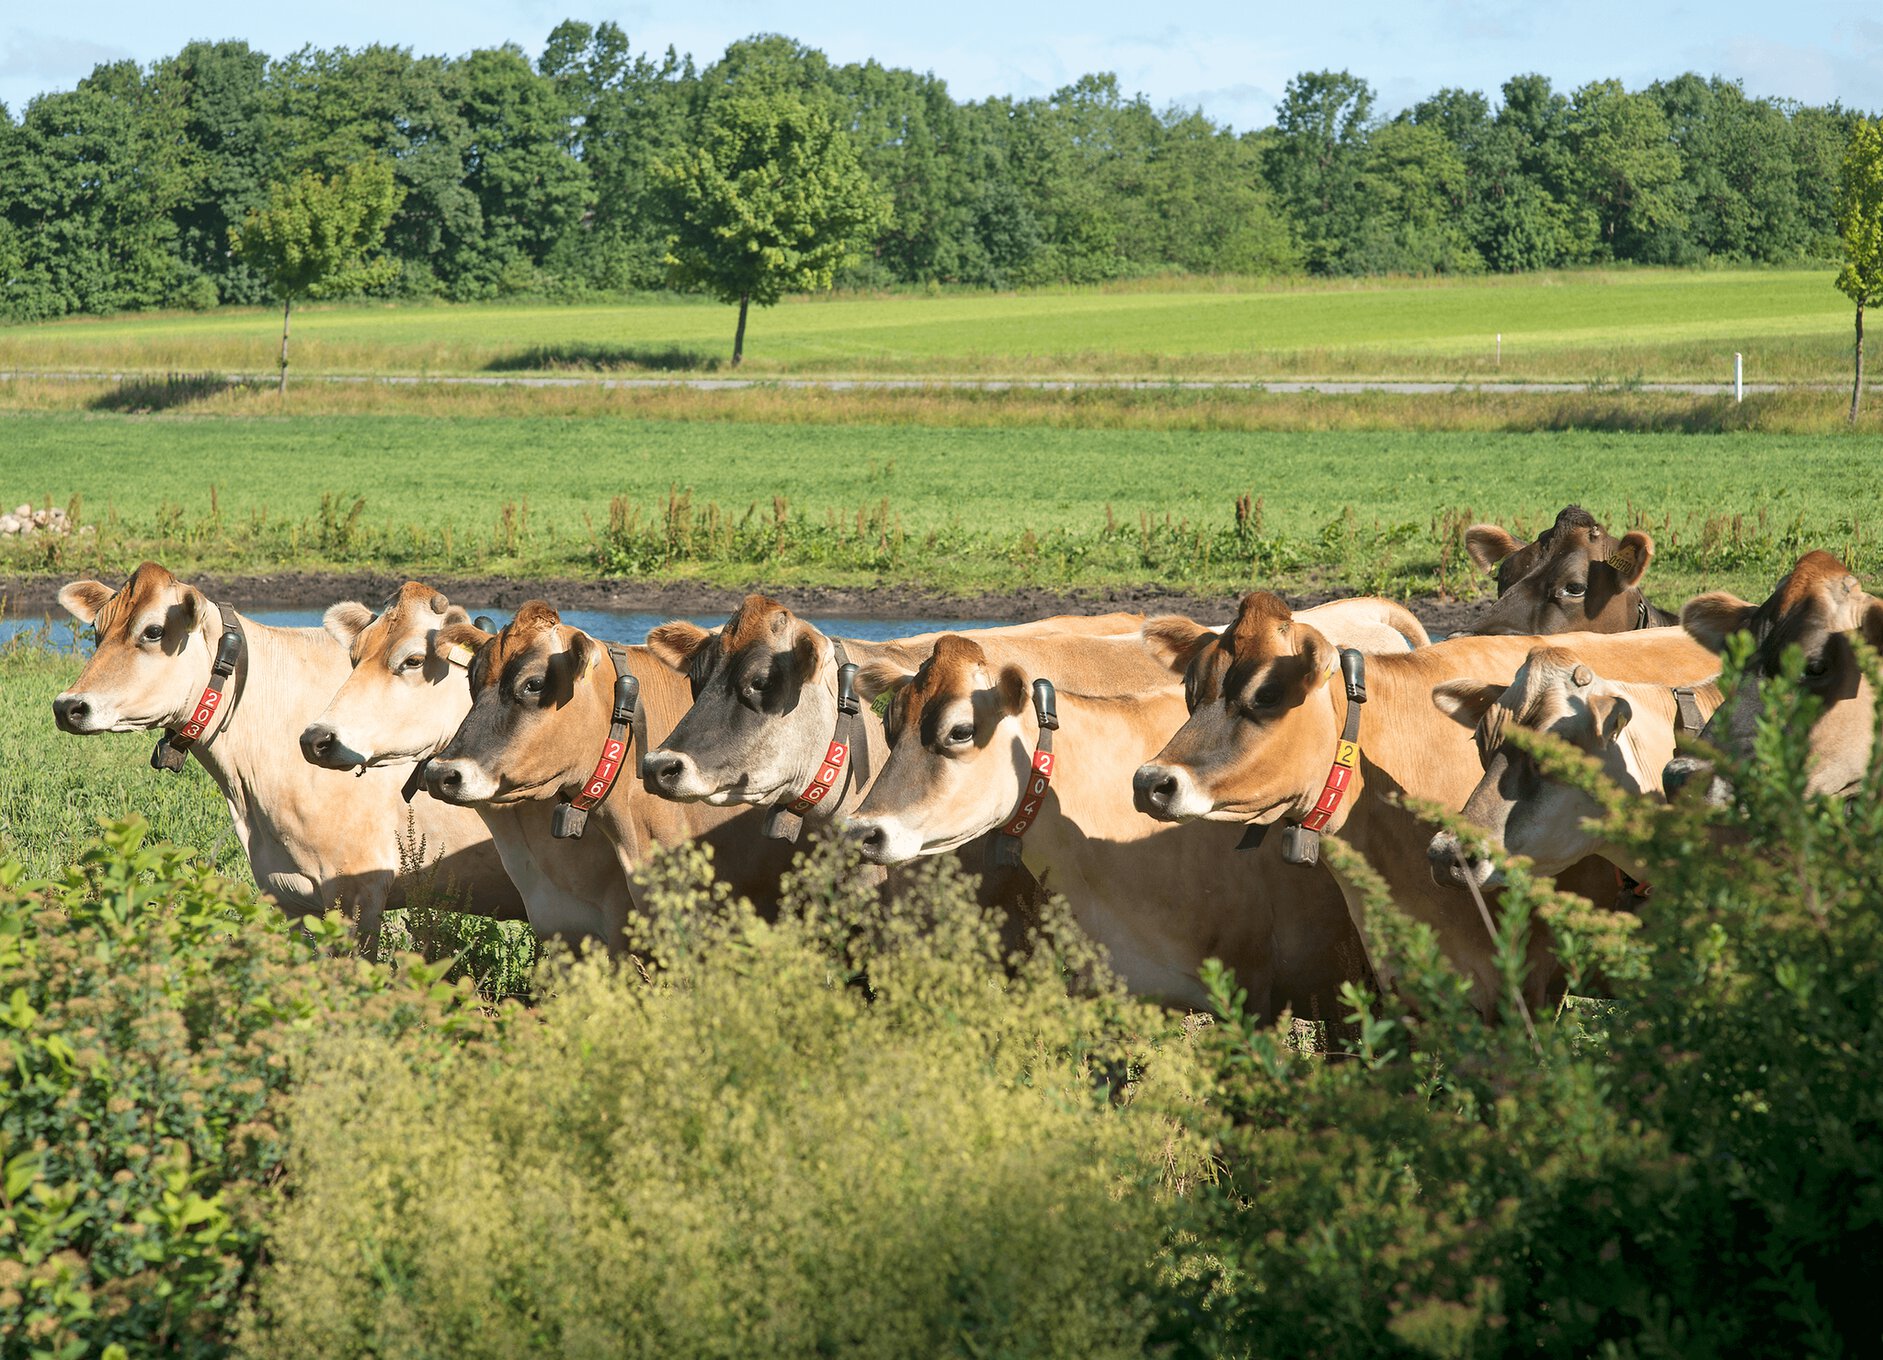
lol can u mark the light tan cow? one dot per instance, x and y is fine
(1161, 899)
(1630, 727)
(541, 697)
(315, 839)
(403, 701)
(1819, 607)
(1265, 721)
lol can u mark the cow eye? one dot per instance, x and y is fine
(1575, 588)
(154, 633)
(1266, 696)
(1817, 666)
(533, 686)
(960, 734)
(414, 661)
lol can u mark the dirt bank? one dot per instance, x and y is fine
(315, 590)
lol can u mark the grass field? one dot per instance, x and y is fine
(952, 508)
(1580, 326)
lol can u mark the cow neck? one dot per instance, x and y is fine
(1003, 850)
(1301, 837)
(284, 677)
(836, 773)
(211, 710)
(627, 730)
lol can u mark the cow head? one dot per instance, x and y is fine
(960, 752)
(1261, 728)
(538, 713)
(156, 643)
(1820, 608)
(1523, 810)
(406, 695)
(1575, 579)
(764, 707)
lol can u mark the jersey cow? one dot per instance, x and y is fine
(539, 728)
(405, 697)
(966, 758)
(1575, 578)
(1629, 727)
(316, 839)
(1267, 729)
(1820, 608)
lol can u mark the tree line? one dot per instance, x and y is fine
(556, 176)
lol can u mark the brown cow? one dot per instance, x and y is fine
(403, 701)
(1264, 723)
(1573, 579)
(1160, 899)
(1820, 608)
(315, 839)
(541, 696)
(1629, 727)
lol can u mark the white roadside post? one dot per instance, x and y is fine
(1500, 349)
(1739, 376)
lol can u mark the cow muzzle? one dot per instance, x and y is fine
(1168, 793)
(1685, 773)
(321, 745)
(1453, 868)
(884, 840)
(457, 781)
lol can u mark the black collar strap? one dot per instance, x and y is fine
(786, 820)
(1301, 841)
(1642, 618)
(173, 749)
(627, 718)
(1003, 850)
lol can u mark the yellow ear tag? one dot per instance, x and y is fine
(880, 704)
(1622, 560)
(459, 655)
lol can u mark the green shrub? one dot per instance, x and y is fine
(848, 1132)
(151, 1018)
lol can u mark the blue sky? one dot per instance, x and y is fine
(1232, 59)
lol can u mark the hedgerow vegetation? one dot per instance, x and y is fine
(854, 1128)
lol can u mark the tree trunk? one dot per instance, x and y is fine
(282, 389)
(1856, 386)
(738, 339)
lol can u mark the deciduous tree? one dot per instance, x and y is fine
(769, 199)
(321, 235)
(1860, 228)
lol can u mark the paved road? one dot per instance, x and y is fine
(1343, 386)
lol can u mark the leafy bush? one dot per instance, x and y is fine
(849, 1132)
(152, 1017)
(1693, 1169)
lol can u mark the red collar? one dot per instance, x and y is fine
(1003, 851)
(571, 818)
(173, 748)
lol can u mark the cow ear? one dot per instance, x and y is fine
(879, 677)
(1631, 557)
(83, 599)
(456, 642)
(1465, 702)
(582, 653)
(346, 621)
(805, 653)
(1711, 619)
(1489, 544)
(1175, 640)
(677, 643)
(1871, 624)
(456, 613)
(193, 608)
(1320, 656)
(1013, 688)
(1611, 713)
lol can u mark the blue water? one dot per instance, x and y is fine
(612, 625)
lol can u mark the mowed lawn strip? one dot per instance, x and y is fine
(1579, 326)
(1007, 506)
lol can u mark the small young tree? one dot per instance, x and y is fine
(1860, 227)
(772, 199)
(319, 236)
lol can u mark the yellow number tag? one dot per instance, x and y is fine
(1347, 753)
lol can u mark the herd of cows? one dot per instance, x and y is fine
(1132, 766)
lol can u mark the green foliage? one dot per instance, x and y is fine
(153, 1017)
(770, 198)
(1860, 216)
(848, 1132)
(319, 236)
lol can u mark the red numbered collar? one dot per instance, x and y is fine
(627, 725)
(173, 748)
(1301, 841)
(1004, 850)
(785, 820)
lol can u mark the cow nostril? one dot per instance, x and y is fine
(873, 840)
(69, 710)
(442, 777)
(316, 742)
(662, 768)
(1164, 790)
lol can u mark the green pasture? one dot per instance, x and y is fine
(1611, 326)
(951, 508)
